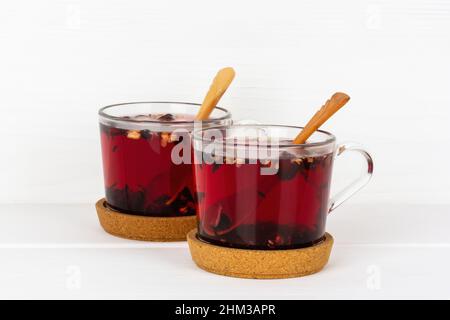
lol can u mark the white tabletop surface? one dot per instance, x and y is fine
(60, 251)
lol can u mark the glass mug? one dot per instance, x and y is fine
(137, 141)
(284, 207)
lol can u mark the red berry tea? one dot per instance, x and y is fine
(240, 207)
(140, 176)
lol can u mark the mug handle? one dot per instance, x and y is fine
(351, 189)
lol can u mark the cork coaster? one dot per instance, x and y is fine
(259, 264)
(144, 228)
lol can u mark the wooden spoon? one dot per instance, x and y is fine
(218, 87)
(337, 101)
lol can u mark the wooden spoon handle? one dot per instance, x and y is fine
(337, 101)
(218, 87)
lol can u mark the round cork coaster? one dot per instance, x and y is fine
(144, 228)
(259, 264)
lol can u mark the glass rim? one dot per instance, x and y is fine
(330, 137)
(103, 114)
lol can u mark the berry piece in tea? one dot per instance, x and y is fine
(166, 117)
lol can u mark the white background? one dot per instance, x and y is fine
(60, 61)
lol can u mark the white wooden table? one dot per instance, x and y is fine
(381, 251)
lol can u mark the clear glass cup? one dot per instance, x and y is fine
(257, 190)
(140, 175)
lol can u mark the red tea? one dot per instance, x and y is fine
(240, 207)
(140, 176)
